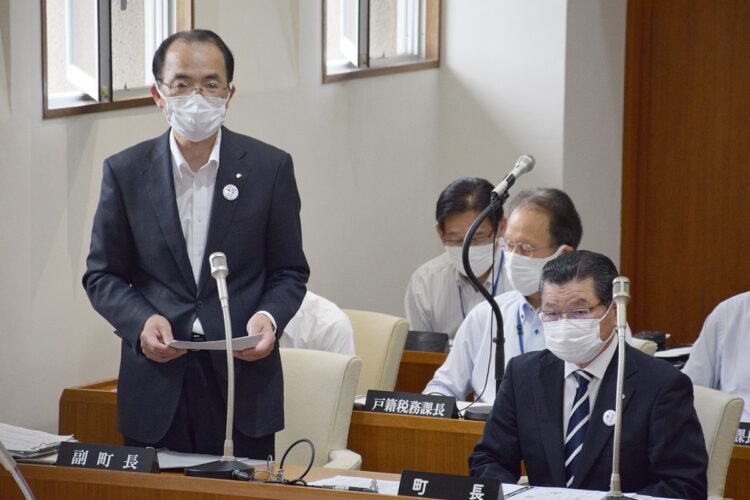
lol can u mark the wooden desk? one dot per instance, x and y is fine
(65, 483)
(387, 443)
(416, 369)
(392, 443)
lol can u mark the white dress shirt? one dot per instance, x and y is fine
(319, 324)
(719, 357)
(194, 192)
(473, 352)
(438, 298)
(597, 369)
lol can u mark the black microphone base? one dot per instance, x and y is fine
(220, 469)
(481, 413)
(612, 496)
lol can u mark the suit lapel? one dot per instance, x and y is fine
(234, 168)
(548, 400)
(159, 178)
(599, 434)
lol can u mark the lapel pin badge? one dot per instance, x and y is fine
(230, 192)
(238, 175)
(609, 417)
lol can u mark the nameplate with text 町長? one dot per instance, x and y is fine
(432, 485)
(406, 403)
(109, 457)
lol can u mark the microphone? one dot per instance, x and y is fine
(523, 165)
(220, 271)
(621, 297)
(228, 465)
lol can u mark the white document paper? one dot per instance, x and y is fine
(169, 459)
(238, 343)
(21, 439)
(674, 353)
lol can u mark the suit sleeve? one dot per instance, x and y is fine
(497, 455)
(286, 266)
(676, 449)
(110, 263)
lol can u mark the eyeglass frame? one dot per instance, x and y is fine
(476, 240)
(193, 88)
(526, 249)
(566, 314)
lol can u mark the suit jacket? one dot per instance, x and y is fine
(662, 453)
(138, 266)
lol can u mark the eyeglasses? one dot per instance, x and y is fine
(476, 240)
(522, 248)
(182, 88)
(583, 313)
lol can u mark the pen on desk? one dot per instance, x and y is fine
(343, 488)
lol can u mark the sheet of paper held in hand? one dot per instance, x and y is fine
(238, 343)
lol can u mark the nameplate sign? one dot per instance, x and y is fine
(109, 457)
(406, 403)
(431, 485)
(743, 434)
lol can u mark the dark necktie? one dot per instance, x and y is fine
(577, 424)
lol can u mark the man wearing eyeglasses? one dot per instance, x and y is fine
(167, 204)
(439, 295)
(555, 408)
(543, 224)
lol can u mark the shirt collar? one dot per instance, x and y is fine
(180, 165)
(598, 367)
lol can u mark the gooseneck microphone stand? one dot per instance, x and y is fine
(496, 202)
(228, 465)
(500, 194)
(621, 297)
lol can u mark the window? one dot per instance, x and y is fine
(374, 37)
(96, 54)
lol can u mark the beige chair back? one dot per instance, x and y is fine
(319, 390)
(379, 340)
(647, 346)
(719, 415)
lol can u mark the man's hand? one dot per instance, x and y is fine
(156, 334)
(259, 323)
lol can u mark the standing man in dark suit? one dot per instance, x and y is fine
(165, 205)
(555, 408)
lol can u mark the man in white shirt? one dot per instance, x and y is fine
(439, 296)
(319, 324)
(543, 224)
(718, 356)
(555, 408)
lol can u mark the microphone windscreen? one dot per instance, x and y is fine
(218, 262)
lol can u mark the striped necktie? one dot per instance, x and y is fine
(577, 424)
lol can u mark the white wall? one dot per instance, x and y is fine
(371, 157)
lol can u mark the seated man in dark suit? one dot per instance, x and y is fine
(554, 409)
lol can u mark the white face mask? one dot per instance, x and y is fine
(480, 258)
(195, 117)
(575, 340)
(524, 273)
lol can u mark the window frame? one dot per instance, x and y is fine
(431, 58)
(185, 20)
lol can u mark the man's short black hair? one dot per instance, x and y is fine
(564, 222)
(580, 265)
(462, 195)
(193, 36)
